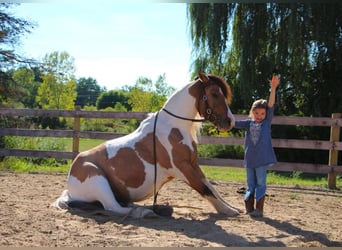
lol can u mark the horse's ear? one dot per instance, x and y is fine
(203, 77)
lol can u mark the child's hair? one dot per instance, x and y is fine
(258, 104)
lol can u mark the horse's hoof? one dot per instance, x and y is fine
(163, 210)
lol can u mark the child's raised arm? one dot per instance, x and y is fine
(274, 84)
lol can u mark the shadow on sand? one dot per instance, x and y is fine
(204, 229)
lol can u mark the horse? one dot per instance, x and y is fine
(135, 167)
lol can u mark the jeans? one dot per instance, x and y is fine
(256, 182)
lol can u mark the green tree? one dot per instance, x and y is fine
(88, 91)
(58, 89)
(162, 88)
(146, 96)
(112, 98)
(25, 80)
(11, 29)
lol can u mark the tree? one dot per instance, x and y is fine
(25, 80)
(249, 42)
(143, 97)
(58, 89)
(88, 91)
(11, 28)
(112, 98)
(146, 96)
(162, 88)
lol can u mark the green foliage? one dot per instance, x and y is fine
(145, 96)
(108, 125)
(56, 95)
(220, 151)
(162, 88)
(88, 92)
(25, 80)
(34, 143)
(11, 29)
(111, 98)
(21, 165)
(58, 89)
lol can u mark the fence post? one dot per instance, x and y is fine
(76, 139)
(333, 153)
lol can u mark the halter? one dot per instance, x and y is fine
(209, 116)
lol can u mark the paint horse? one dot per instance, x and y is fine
(136, 166)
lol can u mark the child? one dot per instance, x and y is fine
(259, 153)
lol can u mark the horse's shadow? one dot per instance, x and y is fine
(204, 229)
(207, 229)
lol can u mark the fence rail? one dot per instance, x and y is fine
(333, 145)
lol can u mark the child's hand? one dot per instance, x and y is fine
(274, 82)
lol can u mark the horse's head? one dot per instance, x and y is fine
(213, 96)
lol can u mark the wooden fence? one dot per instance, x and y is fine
(333, 145)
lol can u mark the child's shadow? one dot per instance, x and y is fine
(306, 234)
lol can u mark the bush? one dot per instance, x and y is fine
(220, 151)
(35, 143)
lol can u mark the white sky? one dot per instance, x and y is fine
(112, 42)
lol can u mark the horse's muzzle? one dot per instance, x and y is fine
(224, 124)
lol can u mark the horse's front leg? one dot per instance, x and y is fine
(196, 180)
(216, 200)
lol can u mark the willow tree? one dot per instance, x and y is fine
(247, 42)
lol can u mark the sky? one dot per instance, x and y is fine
(112, 42)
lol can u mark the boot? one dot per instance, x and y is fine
(249, 204)
(259, 211)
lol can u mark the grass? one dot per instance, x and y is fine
(84, 143)
(273, 178)
(20, 165)
(30, 165)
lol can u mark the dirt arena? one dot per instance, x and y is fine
(294, 217)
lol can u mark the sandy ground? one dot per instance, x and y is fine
(294, 217)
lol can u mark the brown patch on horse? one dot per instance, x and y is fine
(84, 165)
(144, 147)
(128, 168)
(92, 163)
(180, 151)
(185, 160)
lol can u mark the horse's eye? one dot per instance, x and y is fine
(215, 95)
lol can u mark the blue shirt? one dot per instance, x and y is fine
(258, 141)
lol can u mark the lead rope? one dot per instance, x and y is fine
(155, 193)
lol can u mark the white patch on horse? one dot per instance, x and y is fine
(112, 146)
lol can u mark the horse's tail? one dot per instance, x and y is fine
(62, 201)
